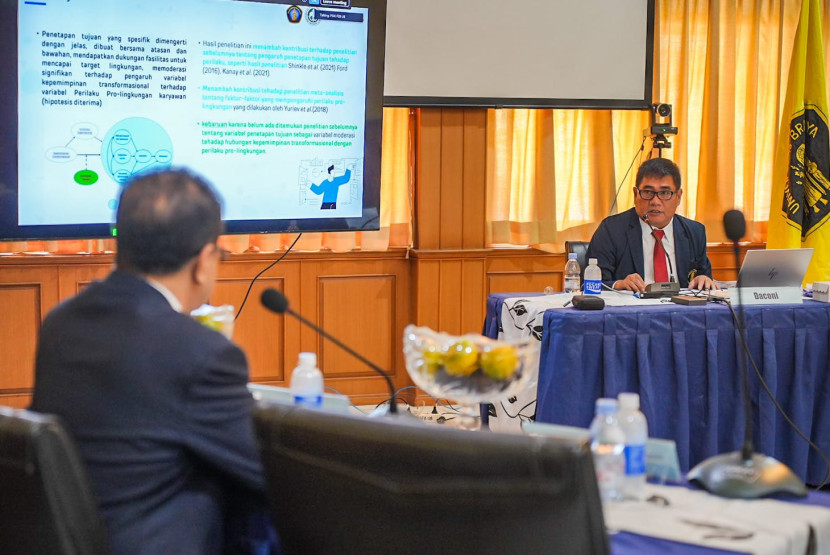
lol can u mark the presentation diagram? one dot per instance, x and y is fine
(337, 181)
(135, 145)
(131, 146)
(83, 145)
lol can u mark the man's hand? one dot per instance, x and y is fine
(703, 282)
(632, 282)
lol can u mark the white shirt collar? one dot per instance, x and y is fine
(175, 303)
(648, 249)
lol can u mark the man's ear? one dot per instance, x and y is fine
(200, 274)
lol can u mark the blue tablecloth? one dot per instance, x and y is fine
(683, 361)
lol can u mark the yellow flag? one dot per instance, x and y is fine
(800, 204)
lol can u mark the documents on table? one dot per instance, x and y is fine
(761, 526)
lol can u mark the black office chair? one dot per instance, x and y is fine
(581, 250)
(46, 504)
(353, 484)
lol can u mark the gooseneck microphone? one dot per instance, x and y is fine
(276, 302)
(744, 474)
(734, 225)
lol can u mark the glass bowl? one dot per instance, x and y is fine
(468, 369)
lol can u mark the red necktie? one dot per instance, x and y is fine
(661, 272)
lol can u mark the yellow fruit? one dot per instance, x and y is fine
(461, 359)
(210, 321)
(499, 362)
(433, 359)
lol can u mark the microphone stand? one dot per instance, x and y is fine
(393, 405)
(745, 474)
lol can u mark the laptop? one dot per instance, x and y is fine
(774, 268)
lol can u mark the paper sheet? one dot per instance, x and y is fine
(760, 526)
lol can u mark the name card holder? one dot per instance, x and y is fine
(749, 296)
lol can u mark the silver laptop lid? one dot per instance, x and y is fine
(774, 267)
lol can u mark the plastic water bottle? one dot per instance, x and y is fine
(593, 278)
(608, 448)
(307, 382)
(635, 428)
(572, 274)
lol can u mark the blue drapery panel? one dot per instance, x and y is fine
(683, 361)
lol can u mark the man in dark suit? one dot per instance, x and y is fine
(156, 401)
(650, 243)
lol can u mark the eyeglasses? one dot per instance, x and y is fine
(648, 194)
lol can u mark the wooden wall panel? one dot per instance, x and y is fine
(27, 293)
(375, 285)
(428, 180)
(258, 332)
(270, 341)
(370, 329)
(452, 179)
(74, 277)
(475, 178)
(426, 294)
(523, 283)
(449, 288)
(19, 333)
(365, 303)
(523, 271)
(473, 295)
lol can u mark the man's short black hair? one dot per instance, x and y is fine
(659, 168)
(164, 219)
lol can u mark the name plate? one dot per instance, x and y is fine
(765, 295)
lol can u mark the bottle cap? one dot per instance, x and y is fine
(308, 359)
(571, 256)
(592, 261)
(629, 401)
(607, 406)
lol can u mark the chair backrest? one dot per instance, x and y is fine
(581, 250)
(353, 484)
(46, 504)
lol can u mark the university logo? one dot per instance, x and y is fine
(295, 14)
(807, 193)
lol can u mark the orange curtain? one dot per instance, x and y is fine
(721, 64)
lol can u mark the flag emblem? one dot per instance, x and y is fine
(806, 199)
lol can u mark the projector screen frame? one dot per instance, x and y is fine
(562, 103)
(10, 230)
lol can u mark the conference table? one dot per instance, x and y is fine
(719, 526)
(684, 363)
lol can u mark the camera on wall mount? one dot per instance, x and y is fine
(661, 125)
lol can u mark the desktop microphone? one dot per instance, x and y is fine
(664, 289)
(276, 302)
(744, 474)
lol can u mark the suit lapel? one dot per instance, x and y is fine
(635, 243)
(682, 251)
